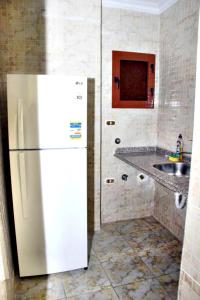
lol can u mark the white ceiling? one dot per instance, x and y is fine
(148, 6)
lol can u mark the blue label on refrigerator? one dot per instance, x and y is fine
(75, 130)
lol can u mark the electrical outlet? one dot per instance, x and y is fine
(110, 180)
(110, 122)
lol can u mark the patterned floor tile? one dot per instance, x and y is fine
(138, 232)
(172, 248)
(170, 284)
(110, 227)
(160, 265)
(126, 269)
(136, 247)
(165, 234)
(102, 234)
(110, 246)
(82, 281)
(136, 226)
(39, 288)
(153, 223)
(149, 241)
(142, 290)
(107, 293)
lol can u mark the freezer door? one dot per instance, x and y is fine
(50, 209)
(47, 111)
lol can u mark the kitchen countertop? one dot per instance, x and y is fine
(143, 159)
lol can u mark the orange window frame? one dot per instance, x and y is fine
(117, 56)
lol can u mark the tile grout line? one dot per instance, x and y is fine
(122, 285)
(109, 280)
(105, 273)
(139, 256)
(154, 277)
(64, 290)
(101, 264)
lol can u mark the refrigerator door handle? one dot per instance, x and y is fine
(23, 186)
(20, 125)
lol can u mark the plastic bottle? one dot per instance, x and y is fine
(179, 147)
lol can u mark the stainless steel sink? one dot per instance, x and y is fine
(177, 169)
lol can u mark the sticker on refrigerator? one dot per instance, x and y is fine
(75, 130)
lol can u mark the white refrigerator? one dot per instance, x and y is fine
(47, 119)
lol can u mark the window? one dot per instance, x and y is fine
(133, 80)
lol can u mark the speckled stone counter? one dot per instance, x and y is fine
(143, 159)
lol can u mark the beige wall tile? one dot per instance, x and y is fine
(188, 289)
(137, 32)
(166, 212)
(178, 41)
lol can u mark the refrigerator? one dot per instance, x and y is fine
(47, 126)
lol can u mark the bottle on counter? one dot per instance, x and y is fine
(179, 147)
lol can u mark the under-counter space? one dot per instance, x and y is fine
(143, 159)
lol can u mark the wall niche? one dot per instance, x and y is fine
(133, 80)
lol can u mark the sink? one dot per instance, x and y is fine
(178, 169)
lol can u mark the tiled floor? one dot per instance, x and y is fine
(135, 259)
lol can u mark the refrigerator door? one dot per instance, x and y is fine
(47, 111)
(50, 209)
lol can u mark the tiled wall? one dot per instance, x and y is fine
(189, 287)
(21, 51)
(178, 40)
(22, 43)
(57, 37)
(137, 32)
(126, 199)
(178, 44)
(166, 212)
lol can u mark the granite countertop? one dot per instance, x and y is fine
(143, 159)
